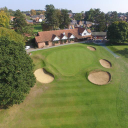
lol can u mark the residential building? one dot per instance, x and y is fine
(57, 37)
(99, 35)
(38, 18)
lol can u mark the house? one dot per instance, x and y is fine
(57, 37)
(72, 24)
(70, 15)
(89, 24)
(12, 18)
(29, 21)
(99, 35)
(38, 18)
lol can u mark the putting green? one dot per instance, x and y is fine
(71, 60)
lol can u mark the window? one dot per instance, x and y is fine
(46, 43)
(84, 33)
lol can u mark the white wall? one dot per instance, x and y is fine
(56, 39)
(72, 37)
(64, 38)
(40, 20)
(85, 33)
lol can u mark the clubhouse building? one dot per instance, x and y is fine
(57, 37)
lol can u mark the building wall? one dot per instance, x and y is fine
(41, 45)
(50, 43)
(85, 33)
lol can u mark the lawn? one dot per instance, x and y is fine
(71, 101)
(37, 28)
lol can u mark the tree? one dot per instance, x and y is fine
(4, 19)
(114, 16)
(50, 15)
(20, 24)
(16, 72)
(65, 20)
(5, 9)
(11, 34)
(33, 12)
(101, 22)
(118, 32)
(97, 17)
(78, 16)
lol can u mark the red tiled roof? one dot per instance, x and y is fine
(48, 35)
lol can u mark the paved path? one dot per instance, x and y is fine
(33, 49)
(103, 45)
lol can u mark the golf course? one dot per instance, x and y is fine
(78, 86)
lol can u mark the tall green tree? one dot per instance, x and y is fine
(50, 15)
(114, 17)
(19, 22)
(78, 16)
(118, 32)
(4, 19)
(16, 72)
(11, 34)
(65, 20)
(97, 17)
(33, 12)
(101, 22)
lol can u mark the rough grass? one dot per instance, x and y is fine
(72, 101)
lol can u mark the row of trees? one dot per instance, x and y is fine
(37, 12)
(100, 19)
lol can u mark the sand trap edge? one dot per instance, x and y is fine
(43, 73)
(91, 48)
(110, 77)
(107, 62)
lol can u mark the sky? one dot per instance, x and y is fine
(75, 5)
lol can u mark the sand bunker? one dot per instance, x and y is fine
(91, 48)
(43, 76)
(99, 77)
(105, 63)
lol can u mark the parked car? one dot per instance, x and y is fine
(27, 47)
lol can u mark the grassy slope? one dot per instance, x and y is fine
(71, 101)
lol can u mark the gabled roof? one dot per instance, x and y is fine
(70, 34)
(54, 36)
(30, 21)
(81, 30)
(48, 35)
(99, 33)
(62, 35)
(38, 16)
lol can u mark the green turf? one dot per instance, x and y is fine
(37, 28)
(71, 101)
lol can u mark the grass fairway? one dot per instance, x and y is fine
(71, 101)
